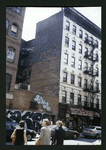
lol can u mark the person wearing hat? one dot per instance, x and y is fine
(59, 134)
(45, 134)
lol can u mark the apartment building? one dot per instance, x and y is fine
(14, 25)
(67, 66)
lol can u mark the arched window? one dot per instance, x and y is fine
(14, 30)
(8, 82)
(17, 10)
(7, 26)
(10, 54)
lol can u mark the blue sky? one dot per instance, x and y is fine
(36, 14)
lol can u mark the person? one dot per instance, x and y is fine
(59, 134)
(74, 125)
(20, 134)
(45, 133)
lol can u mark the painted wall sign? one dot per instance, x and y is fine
(45, 105)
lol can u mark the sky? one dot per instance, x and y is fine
(36, 14)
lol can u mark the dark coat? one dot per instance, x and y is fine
(58, 136)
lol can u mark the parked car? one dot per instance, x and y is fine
(68, 133)
(10, 126)
(92, 131)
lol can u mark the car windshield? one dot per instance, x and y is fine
(91, 127)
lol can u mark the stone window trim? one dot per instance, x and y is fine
(10, 57)
(65, 58)
(8, 81)
(14, 30)
(7, 26)
(64, 76)
(66, 41)
(17, 10)
(73, 61)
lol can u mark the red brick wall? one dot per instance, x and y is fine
(45, 76)
(22, 100)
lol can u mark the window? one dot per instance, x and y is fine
(25, 74)
(64, 95)
(64, 77)
(66, 41)
(92, 101)
(74, 29)
(7, 26)
(80, 48)
(86, 66)
(72, 79)
(73, 45)
(86, 36)
(85, 100)
(79, 81)
(79, 99)
(96, 43)
(14, 30)
(29, 73)
(10, 54)
(91, 40)
(80, 64)
(71, 98)
(97, 103)
(66, 58)
(97, 86)
(8, 82)
(17, 9)
(67, 25)
(73, 61)
(9, 8)
(80, 33)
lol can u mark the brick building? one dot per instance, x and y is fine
(67, 65)
(14, 24)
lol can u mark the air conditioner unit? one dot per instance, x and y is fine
(24, 86)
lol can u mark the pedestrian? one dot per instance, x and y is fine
(19, 134)
(74, 125)
(45, 134)
(59, 134)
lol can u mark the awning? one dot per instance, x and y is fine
(81, 112)
(95, 114)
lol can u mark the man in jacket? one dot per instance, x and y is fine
(45, 133)
(59, 134)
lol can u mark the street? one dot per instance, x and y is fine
(79, 141)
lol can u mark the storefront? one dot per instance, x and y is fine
(82, 117)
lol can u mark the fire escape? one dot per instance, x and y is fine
(89, 87)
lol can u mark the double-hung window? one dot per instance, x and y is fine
(79, 81)
(74, 29)
(80, 33)
(73, 61)
(10, 54)
(80, 48)
(71, 98)
(66, 58)
(86, 36)
(72, 79)
(79, 100)
(80, 64)
(8, 82)
(7, 26)
(67, 25)
(66, 41)
(64, 77)
(64, 96)
(97, 103)
(14, 30)
(73, 45)
(17, 10)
